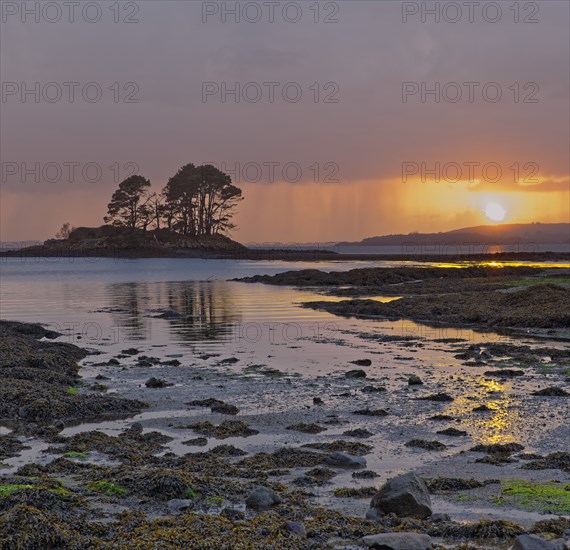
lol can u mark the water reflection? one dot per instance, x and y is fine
(193, 310)
(502, 423)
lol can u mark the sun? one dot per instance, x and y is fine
(495, 212)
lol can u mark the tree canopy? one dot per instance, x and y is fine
(126, 206)
(197, 200)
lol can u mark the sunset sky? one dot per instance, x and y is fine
(352, 126)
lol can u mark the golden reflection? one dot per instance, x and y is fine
(495, 263)
(501, 424)
(382, 299)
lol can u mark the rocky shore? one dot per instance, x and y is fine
(517, 298)
(306, 477)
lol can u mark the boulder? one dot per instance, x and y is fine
(398, 541)
(343, 460)
(262, 498)
(405, 495)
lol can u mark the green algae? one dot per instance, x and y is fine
(109, 488)
(549, 497)
(6, 490)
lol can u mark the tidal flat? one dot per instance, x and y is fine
(284, 443)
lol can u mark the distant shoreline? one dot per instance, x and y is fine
(258, 254)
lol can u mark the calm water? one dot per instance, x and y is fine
(187, 306)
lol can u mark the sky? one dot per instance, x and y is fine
(355, 118)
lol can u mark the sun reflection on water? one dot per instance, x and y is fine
(501, 424)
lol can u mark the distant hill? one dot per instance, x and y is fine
(502, 234)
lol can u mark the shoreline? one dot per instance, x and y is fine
(293, 255)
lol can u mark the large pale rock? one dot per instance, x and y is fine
(398, 541)
(405, 495)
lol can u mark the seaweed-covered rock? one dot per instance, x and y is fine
(10, 446)
(498, 448)
(307, 428)
(352, 447)
(551, 392)
(440, 397)
(453, 432)
(40, 380)
(227, 428)
(558, 460)
(427, 445)
(362, 362)
(27, 528)
(406, 495)
(370, 412)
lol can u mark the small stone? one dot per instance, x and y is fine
(362, 362)
(439, 518)
(136, 427)
(232, 514)
(356, 373)
(296, 528)
(224, 408)
(373, 514)
(317, 401)
(398, 541)
(59, 424)
(343, 460)
(373, 389)
(262, 498)
(179, 505)
(414, 380)
(156, 383)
